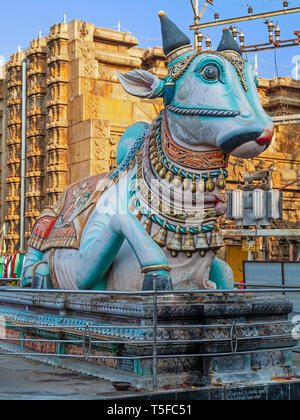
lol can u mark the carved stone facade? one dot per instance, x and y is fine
(36, 133)
(77, 112)
(2, 157)
(57, 111)
(13, 145)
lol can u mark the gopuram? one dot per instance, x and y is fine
(152, 223)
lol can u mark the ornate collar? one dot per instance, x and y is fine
(195, 160)
(165, 167)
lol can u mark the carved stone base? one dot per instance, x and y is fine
(233, 333)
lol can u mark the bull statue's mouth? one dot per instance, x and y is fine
(252, 146)
(202, 112)
(266, 137)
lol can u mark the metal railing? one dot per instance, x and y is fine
(87, 341)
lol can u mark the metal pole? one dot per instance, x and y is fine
(196, 23)
(198, 17)
(23, 155)
(154, 364)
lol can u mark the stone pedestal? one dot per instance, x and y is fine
(241, 339)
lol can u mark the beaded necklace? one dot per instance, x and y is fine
(168, 170)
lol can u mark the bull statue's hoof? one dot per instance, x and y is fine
(41, 277)
(42, 282)
(163, 282)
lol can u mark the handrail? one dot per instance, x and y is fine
(148, 292)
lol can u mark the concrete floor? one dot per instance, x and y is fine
(26, 379)
(23, 379)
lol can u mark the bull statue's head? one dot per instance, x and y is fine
(211, 97)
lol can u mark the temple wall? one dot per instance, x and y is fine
(77, 112)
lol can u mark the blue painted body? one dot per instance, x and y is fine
(114, 245)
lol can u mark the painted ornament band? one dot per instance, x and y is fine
(200, 161)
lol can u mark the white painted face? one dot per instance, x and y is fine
(212, 83)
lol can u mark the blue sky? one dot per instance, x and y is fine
(22, 23)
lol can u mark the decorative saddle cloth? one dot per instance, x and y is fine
(61, 226)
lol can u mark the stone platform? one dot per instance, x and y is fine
(243, 339)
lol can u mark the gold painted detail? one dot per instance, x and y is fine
(178, 69)
(179, 52)
(163, 207)
(151, 268)
(160, 151)
(239, 64)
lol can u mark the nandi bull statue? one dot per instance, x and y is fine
(119, 230)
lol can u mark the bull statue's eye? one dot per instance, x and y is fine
(211, 72)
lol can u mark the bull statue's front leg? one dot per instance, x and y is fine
(102, 244)
(221, 274)
(36, 272)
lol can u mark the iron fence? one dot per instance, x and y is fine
(87, 341)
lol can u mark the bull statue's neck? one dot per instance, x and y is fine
(183, 166)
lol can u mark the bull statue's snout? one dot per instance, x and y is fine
(250, 142)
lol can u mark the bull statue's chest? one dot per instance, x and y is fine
(178, 209)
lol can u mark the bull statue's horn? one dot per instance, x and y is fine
(175, 42)
(228, 43)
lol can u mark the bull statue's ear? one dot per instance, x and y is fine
(143, 84)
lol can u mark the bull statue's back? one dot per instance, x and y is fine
(158, 212)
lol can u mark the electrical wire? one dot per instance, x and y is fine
(288, 185)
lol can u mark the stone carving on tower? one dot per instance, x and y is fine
(57, 119)
(13, 160)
